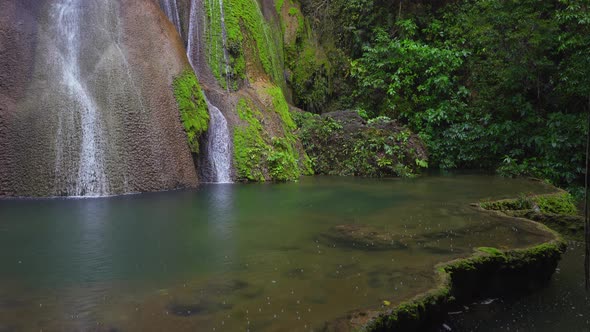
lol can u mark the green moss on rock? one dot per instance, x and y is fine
(282, 161)
(250, 149)
(558, 203)
(259, 157)
(561, 203)
(309, 80)
(491, 251)
(557, 211)
(308, 66)
(279, 5)
(488, 272)
(342, 143)
(244, 22)
(192, 107)
(282, 108)
(215, 42)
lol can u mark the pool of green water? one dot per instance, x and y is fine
(263, 257)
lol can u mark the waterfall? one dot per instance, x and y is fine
(218, 145)
(219, 142)
(224, 45)
(170, 8)
(193, 50)
(82, 110)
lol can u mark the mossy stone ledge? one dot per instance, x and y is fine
(487, 272)
(556, 211)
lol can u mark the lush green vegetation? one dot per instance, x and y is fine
(245, 30)
(306, 62)
(342, 144)
(259, 157)
(192, 106)
(559, 203)
(250, 149)
(492, 84)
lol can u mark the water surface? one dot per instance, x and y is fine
(239, 257)
(564, 305)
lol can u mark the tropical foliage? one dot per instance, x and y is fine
(502, 85)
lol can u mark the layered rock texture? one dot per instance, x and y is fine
(87, 105)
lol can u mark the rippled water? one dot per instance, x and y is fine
(237, 257)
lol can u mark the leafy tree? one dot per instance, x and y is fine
(408, 79)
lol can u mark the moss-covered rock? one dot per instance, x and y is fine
(250, 148)
(265, 148)
(558, 203)
(242, 37)
(343, 143)
(572, 227)
(192, 106)
(489, 272)
(557, 211)
(561, 203)
(308, 67)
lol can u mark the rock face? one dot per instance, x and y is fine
(86, 99)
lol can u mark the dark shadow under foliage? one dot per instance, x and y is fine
(502, 85)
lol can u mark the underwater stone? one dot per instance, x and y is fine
(361, 237)
(187, 310)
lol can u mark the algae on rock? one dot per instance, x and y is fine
(192, 107)
(557, 203)
(557, 211)
(308, 67)
(245, 27)
(259, 155)
(342, 143)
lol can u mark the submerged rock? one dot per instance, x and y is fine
(361, 237)
(197, 307)
(8, 328)
(186, 310)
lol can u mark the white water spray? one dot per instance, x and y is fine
(171, 10)
(219, 142)
(91, 179)
(218, 145)
(224, 44)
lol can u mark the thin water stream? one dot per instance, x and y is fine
(237, 257)
(219, 145)
(219, 151)
(80, 115)
(170, 8)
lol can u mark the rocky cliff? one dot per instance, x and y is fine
(87, 105)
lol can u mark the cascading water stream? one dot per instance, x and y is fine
(219, 142)
(171, 10)
(91, 179)
(224, 45)
(218, 145)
